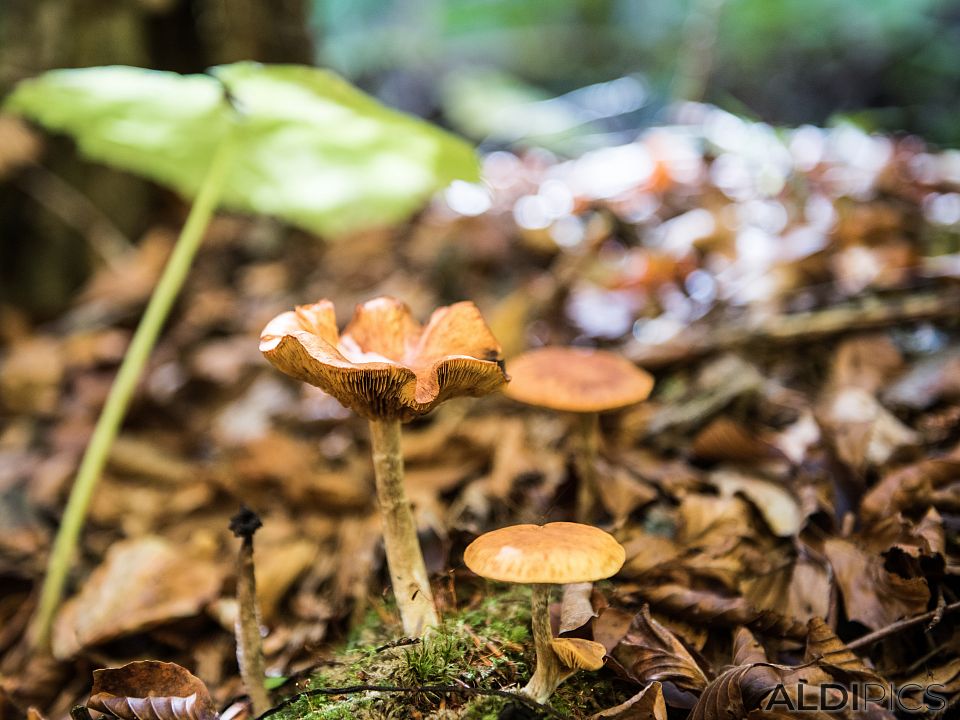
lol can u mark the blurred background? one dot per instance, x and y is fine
(568, 76)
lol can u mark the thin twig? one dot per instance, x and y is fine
(400, 642)
(876, 636)
(545, 710)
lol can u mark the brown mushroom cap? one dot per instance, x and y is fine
(576, 380)
(578, 654)
(556, 553)
(385, 365)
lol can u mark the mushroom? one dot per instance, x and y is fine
(585, 382)
(389, 369)
(544, 555)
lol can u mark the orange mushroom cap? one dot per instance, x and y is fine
(577, 380)
(556, 553)
(385, 365)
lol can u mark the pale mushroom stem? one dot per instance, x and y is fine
(549, 672)
(408, 573)
(586, 465)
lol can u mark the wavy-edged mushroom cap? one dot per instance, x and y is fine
(385, 365)
(576, 380)
(556, 553)
(578, 654)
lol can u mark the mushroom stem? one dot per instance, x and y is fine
(408, 573)
(586, 465)
(247, 627)
(549, 672)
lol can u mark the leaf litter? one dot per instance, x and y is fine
(790, 489)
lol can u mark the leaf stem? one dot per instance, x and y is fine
(115, 408)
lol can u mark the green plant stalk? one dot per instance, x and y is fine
(115, 408)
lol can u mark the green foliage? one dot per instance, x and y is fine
(308, 146)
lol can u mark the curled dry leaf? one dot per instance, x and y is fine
(927, 381)
(620, 492)
(830, 653)
(726, 439)
(576, 609)
(737, 691)
(873, 595)
(909, 487)
(863, 432)
(778, 506)
(151, 690)
(868, 362)
(648, 704)
(708, 606)
(140, 584)
(649, 652)
(645, 551)
(746, 648)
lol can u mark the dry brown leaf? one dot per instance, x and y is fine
(927, 381)
(863, 432)
(711, 522)
(30, 376)
(620, 492)
(795, 440)
(19, 145)
(649, 652)
(909, 487)
(611, 626)
(734, 693)
(726, 439)
(280, 556)
(867, 362)
(746, 648)
(830, 653)
(140, 584)
(947, 676)
(648, 704)
(151, 690)
(128, 282)
(645, 551)
(709, 606)
(576, 608)
(776, 504)
(872, 595)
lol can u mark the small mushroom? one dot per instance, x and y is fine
(387, 368)
(584, 382)
(544, 555)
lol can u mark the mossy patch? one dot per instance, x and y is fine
(485, 645)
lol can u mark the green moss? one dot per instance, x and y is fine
(485, 645)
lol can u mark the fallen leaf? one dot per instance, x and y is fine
(151, 690)
(650, 652)
(647, 704)
(734, 693)
(872, 595)
(576, 608)
(726, 439)
(908, 487)
(830, 653)
(140, 584)
(777, 505)
(746, 649)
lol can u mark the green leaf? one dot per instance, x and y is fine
(308, 146)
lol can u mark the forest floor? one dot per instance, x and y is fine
(789, 497)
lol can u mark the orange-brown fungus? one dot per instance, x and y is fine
(577, 380)
(385, 365)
